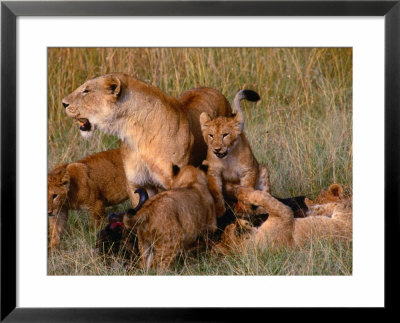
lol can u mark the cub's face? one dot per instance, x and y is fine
(220, 134)
(331, 208)
(93, 105)
(328, 202)
(239, 230)
(57, 190)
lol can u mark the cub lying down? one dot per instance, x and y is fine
(92, 184)
(229, 156)
(171, 221)
(329, 215)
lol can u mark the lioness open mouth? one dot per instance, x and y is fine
(221, 155)
(84, 124)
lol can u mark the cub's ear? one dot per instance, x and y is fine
(59, 170)
(204, 117)
(175, 169)
(62, 174)
(78, 171)
(112, 86)
(65, 180)
(336, 190)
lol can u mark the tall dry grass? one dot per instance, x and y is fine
(301, 129)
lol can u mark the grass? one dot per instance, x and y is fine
(301, 130)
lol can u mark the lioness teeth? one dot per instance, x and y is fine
(82, 121)
(84, 124)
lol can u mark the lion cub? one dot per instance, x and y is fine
(229, 156)
(329, 216)
(171, 221)
(92, 183)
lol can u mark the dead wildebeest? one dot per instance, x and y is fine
(115, 238)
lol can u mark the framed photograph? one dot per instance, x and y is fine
(320, 127)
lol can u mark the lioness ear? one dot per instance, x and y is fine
(112, 86)
(336, 190)
(204, 117)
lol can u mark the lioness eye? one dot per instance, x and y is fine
(211, 136)
(54, 196)
(224, 135)
(86, 91)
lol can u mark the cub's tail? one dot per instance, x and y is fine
(243, 95)
(130, 220)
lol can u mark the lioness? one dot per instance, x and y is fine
(171, 221)
(230, 159)
(328, 216)
(158, 130)
(92, 183)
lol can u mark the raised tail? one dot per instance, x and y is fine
(248, 95)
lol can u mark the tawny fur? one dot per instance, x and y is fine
(158, 130)
(330, 217)
(235, 237)
(171, 221)
(91, 184)
(230, 160)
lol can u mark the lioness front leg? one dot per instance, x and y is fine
(131, 188)
(134, 198)
(215, 186)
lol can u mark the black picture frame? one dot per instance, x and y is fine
(10, 10)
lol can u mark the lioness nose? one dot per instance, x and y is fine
(65, 104)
